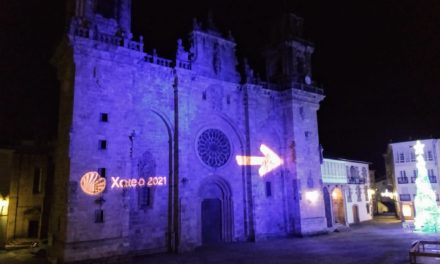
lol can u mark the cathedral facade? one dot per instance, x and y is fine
(148, 154)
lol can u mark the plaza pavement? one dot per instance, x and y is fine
(382, 241)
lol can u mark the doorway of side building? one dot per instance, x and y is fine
(355, 214)
(338, 206)
(33, 228)
(328, 207)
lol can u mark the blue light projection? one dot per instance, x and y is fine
(268, 162)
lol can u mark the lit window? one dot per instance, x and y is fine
(406, 210)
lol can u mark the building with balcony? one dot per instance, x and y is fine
(347, 191)
(401, 171)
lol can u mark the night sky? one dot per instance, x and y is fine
(378, 61)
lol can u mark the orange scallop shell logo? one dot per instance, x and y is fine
(92, 183)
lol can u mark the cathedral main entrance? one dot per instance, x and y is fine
(211, 221)
(215, 211)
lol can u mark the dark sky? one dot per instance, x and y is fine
(379, 62)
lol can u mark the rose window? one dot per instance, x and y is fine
(213, 148)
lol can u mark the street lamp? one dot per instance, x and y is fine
(3, 217)
(3, 203)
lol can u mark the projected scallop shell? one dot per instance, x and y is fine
(92, 183)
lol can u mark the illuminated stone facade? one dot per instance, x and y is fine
(129, 114)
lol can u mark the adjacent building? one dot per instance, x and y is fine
(6, 156)
(147, 146)
(347, 191)
(401, 171)
(25, 196)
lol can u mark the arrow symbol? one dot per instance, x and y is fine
(268, 162)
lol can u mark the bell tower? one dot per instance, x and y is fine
(288, 58)
(111, 17)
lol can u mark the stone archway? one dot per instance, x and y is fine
(338, 206)
(216, 211)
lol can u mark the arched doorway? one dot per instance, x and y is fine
(328, 207)
(211, 221)
(338, 206)
(216, 211)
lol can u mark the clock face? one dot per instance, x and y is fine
(308, 80)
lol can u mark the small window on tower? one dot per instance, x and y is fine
(268, 189)
(106, 8)
(104, 117)
(102, 172)
(99, 216)
(103, 144)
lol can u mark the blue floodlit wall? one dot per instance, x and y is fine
(185, 120)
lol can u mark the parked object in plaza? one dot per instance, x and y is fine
(424, 252)
(39, 248)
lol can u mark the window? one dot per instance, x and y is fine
(401, 157)
(368, 208)
(103, 117)
(268, 189)
(99, 216)
(414, 177)
(366, 193)
(413, 156)
(402, 173)
(103, 144)
(102, 172)
(431, 172)
(405, 197)
(144, 197)
(295, 189)
(36, 187)
(349, 194)
(430, 155)
(358, 193)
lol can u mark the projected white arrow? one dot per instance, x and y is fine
(269, 162)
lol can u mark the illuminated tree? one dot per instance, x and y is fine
(427, 213)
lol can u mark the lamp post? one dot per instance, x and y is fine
(3, 217)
